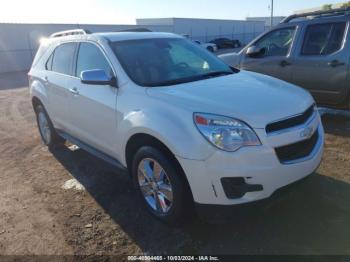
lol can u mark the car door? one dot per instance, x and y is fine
(322, 61)
(93, 107)
(274, 58)
(58, 74)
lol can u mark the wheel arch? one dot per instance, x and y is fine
(36, 101)
(38, 92)
(139, 140)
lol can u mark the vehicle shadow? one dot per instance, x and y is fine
(311, 217)
(337, 122)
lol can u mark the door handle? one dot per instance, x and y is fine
(335, 63)
(285, 63)
(74, 91)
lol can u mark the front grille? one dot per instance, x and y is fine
(298, 150)
(290, 122)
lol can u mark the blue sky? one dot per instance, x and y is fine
(126, 11)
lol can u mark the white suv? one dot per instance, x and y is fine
(190, 129)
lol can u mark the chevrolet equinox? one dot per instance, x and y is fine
(192, 131)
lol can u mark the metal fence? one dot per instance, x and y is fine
(19, 42)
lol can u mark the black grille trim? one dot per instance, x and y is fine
(298, 150)
(290, 122)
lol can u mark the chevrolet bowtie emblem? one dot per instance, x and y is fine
(307, 132)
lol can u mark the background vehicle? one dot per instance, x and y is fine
(226, 43)
(189, 128)
(310, 50)
(209, 46)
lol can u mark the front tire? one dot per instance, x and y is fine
(47, 132)
(161, 185)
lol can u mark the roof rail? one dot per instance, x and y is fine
(70, 32)
(332, 12)
(138, 29)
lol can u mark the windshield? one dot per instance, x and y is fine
(167, 61)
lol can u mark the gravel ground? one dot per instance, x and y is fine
(69, 202)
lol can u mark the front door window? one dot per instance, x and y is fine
(277, 42)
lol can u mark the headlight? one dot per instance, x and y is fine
(226, 133)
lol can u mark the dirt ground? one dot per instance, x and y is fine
(38, 216)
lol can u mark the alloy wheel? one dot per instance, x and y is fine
(155, 185)
(44, 127)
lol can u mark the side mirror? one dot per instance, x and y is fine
(97, 77)
(254, 51)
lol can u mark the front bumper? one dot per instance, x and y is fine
(224, 213)
(256, 165)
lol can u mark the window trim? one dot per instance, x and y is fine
(48, 60)
(326, 23)
(75, 62)
(295, 27)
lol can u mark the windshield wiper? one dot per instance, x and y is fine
(216, 74)
(192, 78)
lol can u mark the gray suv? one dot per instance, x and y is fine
(310, 50)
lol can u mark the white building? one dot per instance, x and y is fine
(208, 29)
(267, 20)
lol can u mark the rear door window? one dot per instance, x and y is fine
(63, 58)
(323, 39)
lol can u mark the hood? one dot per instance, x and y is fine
(254, 98)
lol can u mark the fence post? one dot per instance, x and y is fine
(244, 34)
(206, 34)
(30, 45)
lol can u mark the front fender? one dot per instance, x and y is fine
(175, 130)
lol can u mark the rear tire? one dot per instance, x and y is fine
(161, 185)
(47, 132)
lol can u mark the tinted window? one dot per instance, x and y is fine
(63, 57)
(167, 61)
(323, 39)
(90, 57)
(277, 43)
